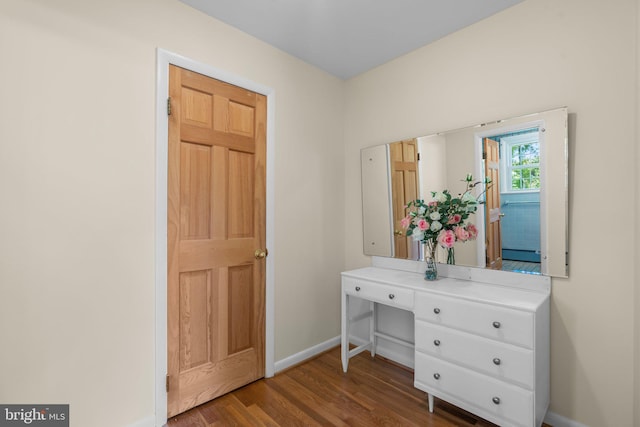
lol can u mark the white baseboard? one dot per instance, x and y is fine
(556, 420)
(386, 351)
(294, 359)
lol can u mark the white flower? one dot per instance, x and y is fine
(434, 216)
(467, 197)
(417, 234)
(440, 197)
(435, 225)
(422, 210)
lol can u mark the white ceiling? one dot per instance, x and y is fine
(348, 37)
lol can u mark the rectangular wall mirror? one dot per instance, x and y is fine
(525, 230)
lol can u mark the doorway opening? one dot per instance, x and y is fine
(519, 199)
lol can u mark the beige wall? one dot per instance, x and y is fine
(536, 56)
(77, 156)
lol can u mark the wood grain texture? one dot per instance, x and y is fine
(403, 157)
(374, 392)
(216, 221)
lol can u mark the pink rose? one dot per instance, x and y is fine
(446, 238)
(404, 222)
(456, 218)
(472, 230)
(433, 203)
(423, 225)
(461, 234)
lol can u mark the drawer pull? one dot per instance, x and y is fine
(357, 288)
(436, 342)
(496, 361)
(436, 376)
(496, 400)
(391, 296)
(496, 325)
(436, 310)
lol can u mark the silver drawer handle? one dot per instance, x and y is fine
(496, 361)
(496, 400)
(436, 342)
(391, 296)
(357, 288)
(496, 325)
(436, 310)
(436, 376)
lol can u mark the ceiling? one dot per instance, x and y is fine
(349, 37)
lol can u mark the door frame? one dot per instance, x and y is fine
(163, 59)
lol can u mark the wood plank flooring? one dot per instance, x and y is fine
(374, 392)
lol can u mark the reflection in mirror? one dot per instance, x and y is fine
(523, 222)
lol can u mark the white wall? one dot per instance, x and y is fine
(535, 56)
(77, 150)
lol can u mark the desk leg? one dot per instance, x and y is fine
(344, 337)
(430, 397)
(373, 327)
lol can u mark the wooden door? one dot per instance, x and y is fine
(403, 157)
(216, 224)
(492, 207)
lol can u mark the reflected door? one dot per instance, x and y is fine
(216, 236)
(403, 157)
(493, 235)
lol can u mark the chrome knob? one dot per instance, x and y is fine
(357, 288)
(436, 376)
(496, 361)
(391, 296)
(436, 342)
(436, 310)
(496, 400)
(496, 325)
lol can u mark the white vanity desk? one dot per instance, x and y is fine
(481, 337)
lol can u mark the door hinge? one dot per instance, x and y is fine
(418, 157)
(168, 106)
(484, 155)
(167, 383)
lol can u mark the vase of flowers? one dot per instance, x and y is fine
(443, 221)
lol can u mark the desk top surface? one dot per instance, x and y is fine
(496, 294)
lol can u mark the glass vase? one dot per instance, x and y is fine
(451, 256)
(431, 272)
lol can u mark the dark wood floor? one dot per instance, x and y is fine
(375, 392)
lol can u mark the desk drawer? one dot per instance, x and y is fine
(394, 296)
(503, 361)
(492, 397)
(502, 324)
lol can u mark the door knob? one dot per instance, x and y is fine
(398, 233)
(260, 253)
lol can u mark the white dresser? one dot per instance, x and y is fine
(481, 346)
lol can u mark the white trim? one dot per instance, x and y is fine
(163, 59)
(559, 421)
(307, 354)
(388, 350)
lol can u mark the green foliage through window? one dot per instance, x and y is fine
(525, 166)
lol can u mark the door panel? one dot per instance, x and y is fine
(216, 220)
(404, 188)
(492, 206)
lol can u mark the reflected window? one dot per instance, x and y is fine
(520, 161)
